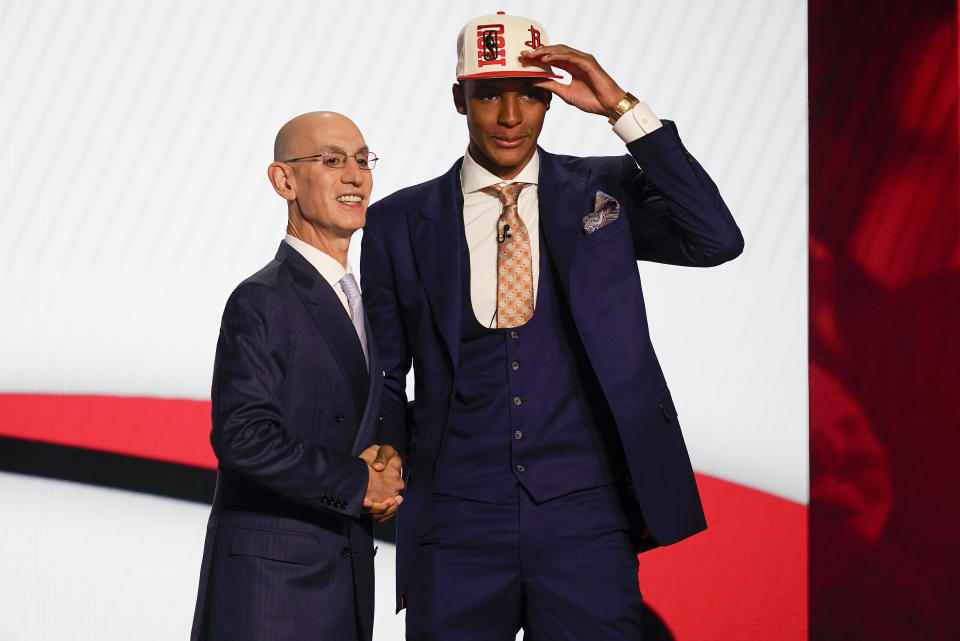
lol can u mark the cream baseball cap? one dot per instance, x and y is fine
(490, 46)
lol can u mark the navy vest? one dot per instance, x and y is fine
(526, 405)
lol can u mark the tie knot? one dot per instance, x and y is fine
(508, 193)
(350, 287)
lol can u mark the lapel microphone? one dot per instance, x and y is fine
(505, 234)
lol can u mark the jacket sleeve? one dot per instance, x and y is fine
(383, 311)
(677, 215)
(248, 434)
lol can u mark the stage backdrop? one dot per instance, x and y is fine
(135, 140)
(884, 314)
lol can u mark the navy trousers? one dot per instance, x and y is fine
(562, 570)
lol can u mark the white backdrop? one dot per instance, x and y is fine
(135, 139)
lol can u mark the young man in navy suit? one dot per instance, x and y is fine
(296, 395)
(543, 450)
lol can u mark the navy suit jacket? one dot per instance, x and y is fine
(288, 555)
(670, 212)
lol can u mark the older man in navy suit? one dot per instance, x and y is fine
(543, 448)
(296, 394)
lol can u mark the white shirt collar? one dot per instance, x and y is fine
(473, 177)
(328, 266)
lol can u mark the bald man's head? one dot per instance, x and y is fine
(322, 170)
(295, 139)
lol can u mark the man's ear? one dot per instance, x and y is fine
(283, 181)
(459, 101)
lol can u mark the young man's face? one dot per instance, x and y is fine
(504, 118)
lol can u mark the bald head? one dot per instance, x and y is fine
(328, 192)
(297, 138)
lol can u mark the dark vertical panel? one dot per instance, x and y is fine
(884, 319)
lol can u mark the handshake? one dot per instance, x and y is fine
(385, 484)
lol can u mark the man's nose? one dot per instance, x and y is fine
(510, 115)
(352, 173)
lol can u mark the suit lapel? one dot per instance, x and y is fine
(435, 239)
(562, 195)
(331, 319)
(371, 412)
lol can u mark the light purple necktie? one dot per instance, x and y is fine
(349, 285)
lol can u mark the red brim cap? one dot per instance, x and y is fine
(490, 47)
(508, 74)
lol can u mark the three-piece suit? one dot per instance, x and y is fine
(571, 406)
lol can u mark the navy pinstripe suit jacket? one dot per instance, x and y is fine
(288, 555)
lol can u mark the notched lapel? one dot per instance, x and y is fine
(331, 319)
(435, 239)
(371, 412)
(563, 203)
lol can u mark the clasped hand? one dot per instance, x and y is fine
(385, 484)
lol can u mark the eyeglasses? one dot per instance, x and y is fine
(366, 160)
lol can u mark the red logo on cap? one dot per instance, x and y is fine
(534, 40)
(491, 46)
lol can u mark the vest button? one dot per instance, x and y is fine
(518, 435)
(517, 400)
(515, 365)
(514, 334)
(339, 417)
(521, 468)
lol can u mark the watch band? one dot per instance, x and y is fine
(628, 101)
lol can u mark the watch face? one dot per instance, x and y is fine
(623, 106)
(625, 103)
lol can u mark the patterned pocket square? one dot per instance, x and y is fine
(605, 210)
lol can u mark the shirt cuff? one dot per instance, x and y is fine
(636, 123)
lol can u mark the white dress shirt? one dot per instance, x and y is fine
(482, 210)
(328, 266)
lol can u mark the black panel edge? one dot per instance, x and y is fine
(118, 471)
(105, 469)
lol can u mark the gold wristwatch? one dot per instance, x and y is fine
(628, 101)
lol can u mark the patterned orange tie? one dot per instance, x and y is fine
(514, 264)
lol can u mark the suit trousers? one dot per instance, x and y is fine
(561, 570)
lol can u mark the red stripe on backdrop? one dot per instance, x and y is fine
(744, 578)
(172, 430)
